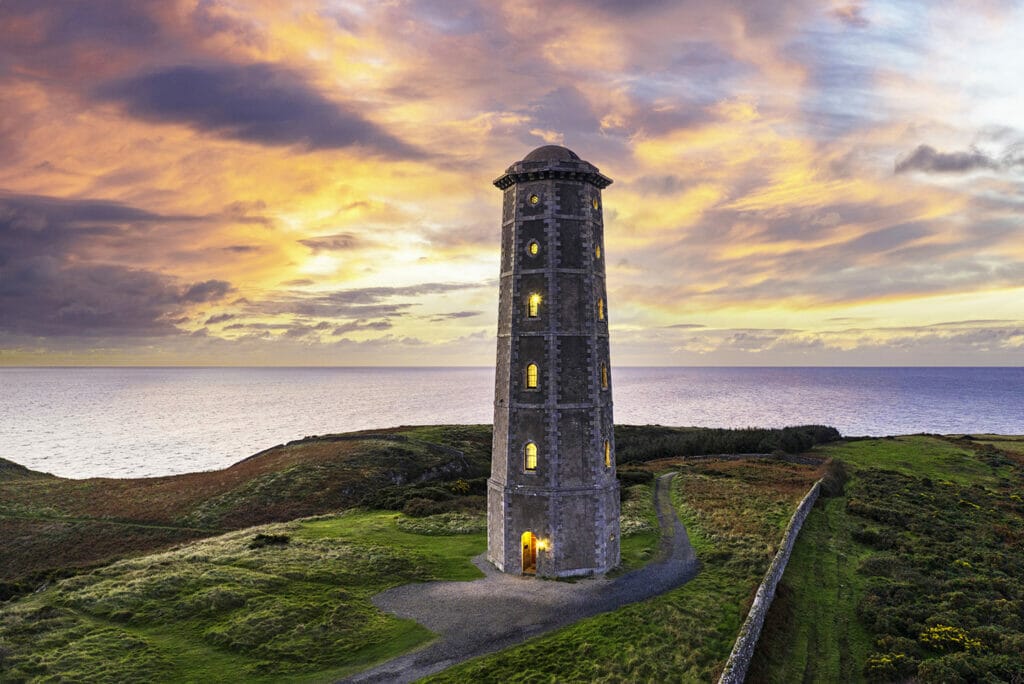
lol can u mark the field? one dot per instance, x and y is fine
(241, 584)
(917, 571)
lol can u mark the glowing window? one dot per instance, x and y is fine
(533, 305)
(607, 454)
(600, 309)
(530, 456)
(597, 252)
(532, 376)
(595, 203)
(533, 248)
(604, 376)
(534, 199)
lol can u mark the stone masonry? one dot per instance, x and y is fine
(553, 456)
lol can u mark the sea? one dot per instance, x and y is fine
(144, 422)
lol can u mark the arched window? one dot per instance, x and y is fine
(607, 454)
(533, 305)
(532, 376)
(597, 251)
(600, 309)
(604, 376)
(530, 456)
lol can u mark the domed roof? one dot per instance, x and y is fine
(551, 153)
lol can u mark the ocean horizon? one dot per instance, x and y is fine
(143, 421)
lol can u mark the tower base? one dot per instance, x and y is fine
(553, 532)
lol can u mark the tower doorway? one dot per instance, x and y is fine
(529, 545)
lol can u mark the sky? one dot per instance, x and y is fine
(228, 182)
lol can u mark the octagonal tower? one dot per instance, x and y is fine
(553, 498)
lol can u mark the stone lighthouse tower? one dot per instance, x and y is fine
(553, 499)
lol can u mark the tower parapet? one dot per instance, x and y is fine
(553, 498)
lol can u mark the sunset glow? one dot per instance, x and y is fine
(249, 182)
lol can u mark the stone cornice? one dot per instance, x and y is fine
(594, 177)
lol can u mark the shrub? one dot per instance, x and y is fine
(261, 540)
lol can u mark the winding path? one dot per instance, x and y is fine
(485, 615)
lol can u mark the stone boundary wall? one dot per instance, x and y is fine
(743, 650)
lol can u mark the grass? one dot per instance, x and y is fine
(289, 601)
(640, 534)
(918, 456)
(221, 610)
(735, 513)
(280, 602)
(914, 573)
(98, 520)
(816, 603)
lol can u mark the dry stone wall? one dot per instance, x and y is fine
(743, 650)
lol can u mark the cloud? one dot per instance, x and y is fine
(332, 243)
(260, 103)
(219, 318)
(47, 289)
(927, 159)
(358, 303)
(207, 291)
(454, 315)
(361, 325)
(852, 15)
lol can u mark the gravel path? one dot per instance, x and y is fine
(486, 615)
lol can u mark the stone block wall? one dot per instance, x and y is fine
(743, 650)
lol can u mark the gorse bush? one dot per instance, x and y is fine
(945, 581)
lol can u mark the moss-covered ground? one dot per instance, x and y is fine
(915, 573)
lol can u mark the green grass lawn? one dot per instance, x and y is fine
(219, 610)
(919, 456)
(917, 571)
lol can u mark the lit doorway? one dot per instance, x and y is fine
(529, 553)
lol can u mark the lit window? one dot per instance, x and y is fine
(533, 305)
(534, 199)
(597, 252)
(595, 203)
(530, 456)
(607, 454)
(533, 248)
(532, 374)
(604, 376)
(600, 309)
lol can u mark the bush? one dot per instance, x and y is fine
(645, 443)
(628, 478)
(261, 540)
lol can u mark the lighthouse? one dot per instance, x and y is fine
(553, 498)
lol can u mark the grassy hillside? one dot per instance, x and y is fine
(269, 603)
(280, 602)
(98, 520)
(917, 571)
(236, 588)
(418, 470)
